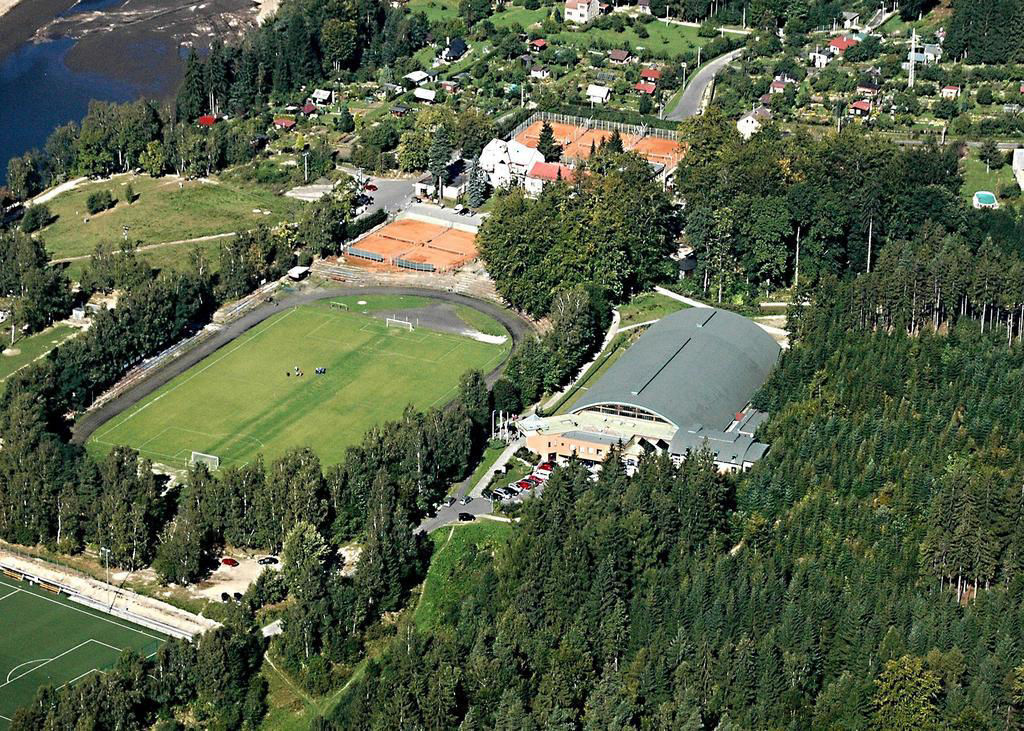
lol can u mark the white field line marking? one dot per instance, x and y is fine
(5, 717)
(45, 662)
(27, 662)
(94, 616)
(201, 370)
(87, 672)
(10, 594)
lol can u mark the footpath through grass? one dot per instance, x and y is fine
(50, 640)
(459, 550)
(28, 349)
(162, 212)
(247, 398)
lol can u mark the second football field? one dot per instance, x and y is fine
(247, 398)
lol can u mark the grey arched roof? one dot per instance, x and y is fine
(695, 366)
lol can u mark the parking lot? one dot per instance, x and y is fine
(516, 484)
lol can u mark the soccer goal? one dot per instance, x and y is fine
(339, 305)
(396, 322)
(210, 460)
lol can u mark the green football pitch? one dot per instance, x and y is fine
(50, 640)
(241, 400)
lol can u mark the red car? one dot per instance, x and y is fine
(546, 467)
(533, 480)
(370, 187)
(525, 484)
(229, 562)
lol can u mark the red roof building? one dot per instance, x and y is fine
(861, 108)
(309, 109)
(644, 87)
(538, 44)
(551, 171)
(651, 75)
(207, 120)
(283, 123)
(842, 44)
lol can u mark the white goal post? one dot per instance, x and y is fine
(396, 322)
(210, 460)
(339, 305)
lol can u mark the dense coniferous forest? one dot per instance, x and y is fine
(866, 574)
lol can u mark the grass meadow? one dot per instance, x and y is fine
(162, 211)
(240, 401)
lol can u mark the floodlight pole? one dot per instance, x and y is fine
(106, 560)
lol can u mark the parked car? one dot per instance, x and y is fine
(465, 500)
(267, 561)
(229, 562)
(524, 485)
(449, 501)
(466, 517)
(514, 488)
(533, 480)
(546, 467)
(238, 596)
(370, 187)
(487, 494)
(502, 493)
(225, 597)
(540, 477)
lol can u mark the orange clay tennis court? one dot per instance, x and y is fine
(577, 141)
(413, 244)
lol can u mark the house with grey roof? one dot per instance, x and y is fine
(684, 386)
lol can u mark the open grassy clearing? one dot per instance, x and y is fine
(976, 178)
(242, 401)
(648, 306)
(161, 212)
(458, 550)
(518, 14)
(29, 348)
(435, 9)
(664, 38)
(50, 640)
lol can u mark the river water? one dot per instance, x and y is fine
(39, 92)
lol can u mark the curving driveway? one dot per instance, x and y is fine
(689, 103)
(517, 326)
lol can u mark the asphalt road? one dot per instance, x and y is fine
(393, 194)
(93, 420)
(689, 103)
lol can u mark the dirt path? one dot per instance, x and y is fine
(150, 247)
(517, 326)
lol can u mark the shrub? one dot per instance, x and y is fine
(36, 217)
(129, 194)
(101, 200)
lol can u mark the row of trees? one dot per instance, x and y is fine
(304, 42)
(776, 211)
(40, 293)
(115, 138)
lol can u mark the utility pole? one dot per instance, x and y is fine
(305, 166)
(913, 53)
